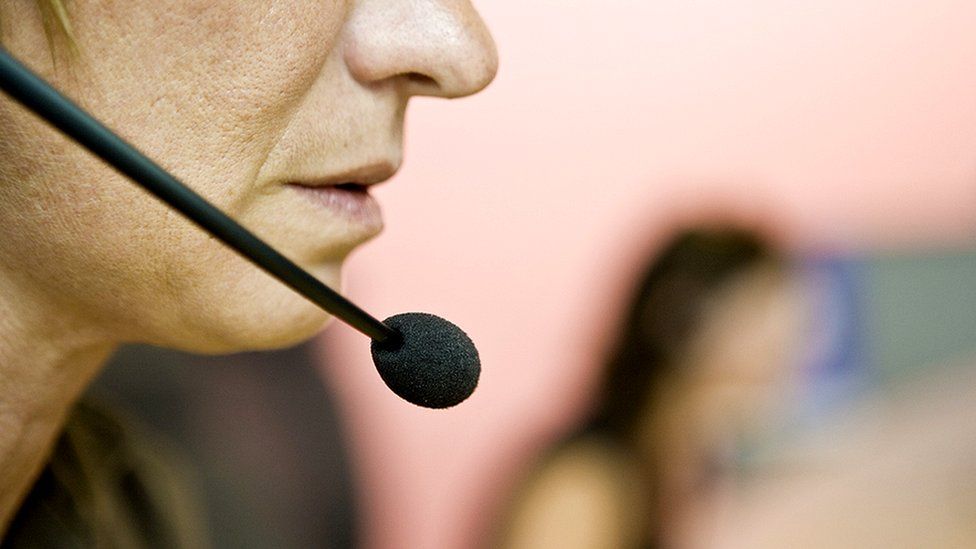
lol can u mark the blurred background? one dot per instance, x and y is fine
(844, 131)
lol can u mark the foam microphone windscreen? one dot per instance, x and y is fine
(434, 365)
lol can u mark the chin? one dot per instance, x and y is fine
(264, 333)
(262, 314)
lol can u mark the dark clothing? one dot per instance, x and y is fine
(262, 433)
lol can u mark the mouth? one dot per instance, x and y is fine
(346, 196)
(349, 202)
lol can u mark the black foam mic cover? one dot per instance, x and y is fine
(433, 364)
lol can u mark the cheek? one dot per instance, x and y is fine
(206, 88)
(206, 93)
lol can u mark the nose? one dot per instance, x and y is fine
(429, 47)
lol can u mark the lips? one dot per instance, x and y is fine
(345, 196)
(361, 176)
(349, 201)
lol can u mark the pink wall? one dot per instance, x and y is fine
(846, 121)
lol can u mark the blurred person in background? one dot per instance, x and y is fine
(751, 404)
(699, 369)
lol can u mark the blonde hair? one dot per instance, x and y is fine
(57, 24)
(109, 485)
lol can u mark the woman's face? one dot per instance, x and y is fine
(736, 368)
(251, 104)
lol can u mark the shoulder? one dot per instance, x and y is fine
(587, 492)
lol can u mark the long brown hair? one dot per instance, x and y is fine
(665, 310)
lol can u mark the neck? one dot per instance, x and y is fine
(47, 358)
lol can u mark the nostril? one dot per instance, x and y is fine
(421, 79)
